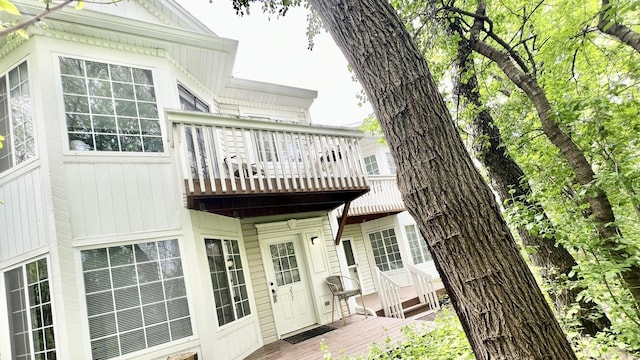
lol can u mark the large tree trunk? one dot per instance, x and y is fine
(495, 295)
(507, 179)
(608, 25)
(598, 202)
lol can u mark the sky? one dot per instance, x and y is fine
(275, 50)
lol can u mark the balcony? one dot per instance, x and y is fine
(246, 167)
(382, 200)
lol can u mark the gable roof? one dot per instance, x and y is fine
(166, 26)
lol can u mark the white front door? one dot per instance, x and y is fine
(288, 284)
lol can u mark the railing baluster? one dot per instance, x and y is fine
(197, 152)
(182, 129)
(249, 160)
(219, 157)
(206, 135)
(305, 154)
(317, 148)
(280, 159)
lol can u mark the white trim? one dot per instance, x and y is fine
(123, 239)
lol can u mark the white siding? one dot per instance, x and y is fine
(354, 232)
(116, 198)
(22, 212)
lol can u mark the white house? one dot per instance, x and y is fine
(153, 204)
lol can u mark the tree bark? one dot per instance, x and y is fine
(503, 311)
(507, 179)
(623, 33)
(598, 202)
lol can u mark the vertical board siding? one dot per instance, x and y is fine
(259, 281)
(114, 198)
(22, 215)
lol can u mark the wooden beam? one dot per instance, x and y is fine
(343, 222)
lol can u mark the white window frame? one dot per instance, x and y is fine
(399, 262)
(369, 165)
(240, 255)
(29, 305)
(8, 143)
(186, 295)
(417, 246)
(98, 153)
(391, 163)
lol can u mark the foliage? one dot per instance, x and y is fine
(591, 81)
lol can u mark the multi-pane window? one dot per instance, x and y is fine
(391, 163)
(30, 313)
(188, 101)
(278, 146)
(227, 277)
(419, 250)
(285, 264)
(136, 297)
(16, 121)
(371, 164)
(385, 250)
(110, 107)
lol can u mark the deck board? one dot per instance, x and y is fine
(353, 339)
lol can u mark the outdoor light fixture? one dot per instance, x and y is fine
(313, 239)
(229, 263)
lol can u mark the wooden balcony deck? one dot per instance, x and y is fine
(382, 200)
(353, 339)
(245, 167)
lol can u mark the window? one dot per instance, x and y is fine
(385, 250)
(136, 297)
(188, 101)
(227, 277)
(272, 146)
(391, 163)
(16, 122)
(110, 107)
(30, 314)
(371, 165)
(419, 250)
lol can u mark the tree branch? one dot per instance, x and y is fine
(608, 25)
(35, 19)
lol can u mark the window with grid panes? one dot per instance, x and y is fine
(285, 264)
(386, 252)
(16, 121)
(419, 250)
(227, 277)
(110, 107)
(391, 163)
(136, 297)
(30, 313)
(371, 164)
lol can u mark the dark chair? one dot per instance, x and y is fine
(336, 286)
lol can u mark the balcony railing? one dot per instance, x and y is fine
(223, 156)
(383, 198)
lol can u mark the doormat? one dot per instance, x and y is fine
(308, 334)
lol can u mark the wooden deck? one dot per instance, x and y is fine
(353, 339)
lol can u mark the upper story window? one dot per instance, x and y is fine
(110, 107)
(419, 250)
(371, 164)
(16, 121)
(391, 163)
(188, 101)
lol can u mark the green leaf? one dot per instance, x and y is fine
(6, 5)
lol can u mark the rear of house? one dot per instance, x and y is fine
(152, 203)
